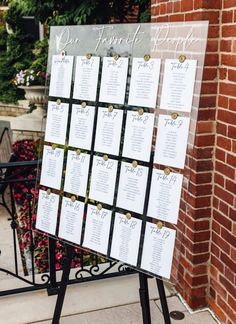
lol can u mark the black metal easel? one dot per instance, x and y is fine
(63, 284)
(143, 292)
(164, 305)
(144, 298)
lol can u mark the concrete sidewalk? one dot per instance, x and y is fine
(108, 301)
(131, 314)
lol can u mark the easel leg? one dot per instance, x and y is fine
(63, 284)
(144, 298)
(53, 289)
(163, 300)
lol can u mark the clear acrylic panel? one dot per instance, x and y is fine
(159, 40)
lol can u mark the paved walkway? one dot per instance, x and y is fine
(110, 301)
(131, 314)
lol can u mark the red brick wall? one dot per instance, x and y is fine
(222, 297)
(207, 269)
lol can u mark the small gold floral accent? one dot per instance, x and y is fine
(167, 171)
(99, 206)
(182, 58)
(110, 108)
(128, 215)
(140, 111)
(147, 57)
(159, 225)
(73, 198)
(116, 57)
(174, 115)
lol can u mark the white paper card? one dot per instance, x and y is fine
(97, 229)
(164, 198)
(71, 220)
(132, 187)
(171, 142)
(138, 136)
(86, 78)
(103, 180)
(47, 212)
(158, 248)
(113, 81)
(77, 168)
(52, 166)
(144, 82)
(81, 127)
(178, 85)
(125, 239)
(56, 126)
(61, 75)
(108, 131)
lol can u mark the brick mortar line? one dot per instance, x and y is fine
(225, 136)
(194, 196)
(203, 184)
(227, 53)
(217, 172)
(199, 219)
(228, 25)
(198, 232)
(197, 254)
(219, 211)
(202, 10)
(221, 198)
(200, 147)
(196, 209)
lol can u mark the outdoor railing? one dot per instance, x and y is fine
(18, 192)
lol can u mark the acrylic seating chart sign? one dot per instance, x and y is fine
(121, 117)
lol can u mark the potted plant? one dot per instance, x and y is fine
(33, 83)
(33, 80)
